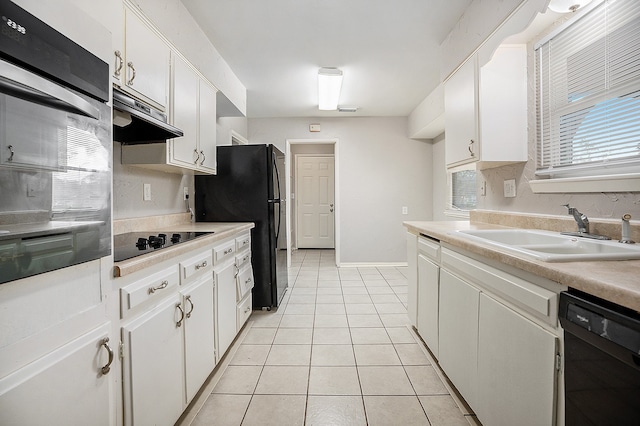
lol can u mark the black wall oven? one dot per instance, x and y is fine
(55, 149)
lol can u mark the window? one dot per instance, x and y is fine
(461, 190)
(588, 94)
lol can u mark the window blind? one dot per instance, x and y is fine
(588, 93)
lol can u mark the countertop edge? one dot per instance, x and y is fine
(616, 281)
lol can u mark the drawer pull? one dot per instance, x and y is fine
(244, 259)
(201, 265)
(105, 343)
(247, 309)
(179, 323)
(188, 299)
(245, 242)
(162, 285)
(247, 281)
(227, 251)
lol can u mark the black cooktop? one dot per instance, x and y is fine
(132, 244)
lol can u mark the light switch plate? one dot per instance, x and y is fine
(510, 188)
(314, 127)
(146, 192)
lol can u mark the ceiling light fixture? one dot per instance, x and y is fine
(329, 85)
(565, 6)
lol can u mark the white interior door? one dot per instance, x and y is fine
(315, 195)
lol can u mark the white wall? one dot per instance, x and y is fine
(380, 171)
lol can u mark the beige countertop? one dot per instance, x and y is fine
(221, 231)
(616, 281)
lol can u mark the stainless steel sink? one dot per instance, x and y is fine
(550, 246)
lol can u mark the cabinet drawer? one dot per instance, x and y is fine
(244, 283)
(243, 241)
(429, 248)
(243, 311)
(224, 251)
(536, 300)
(195, 265)
(243, 259)
(158, 284)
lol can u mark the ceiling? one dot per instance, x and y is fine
(389, 51)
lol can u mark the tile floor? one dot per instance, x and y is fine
(338, 351)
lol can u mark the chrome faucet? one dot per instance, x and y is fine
(581, 219)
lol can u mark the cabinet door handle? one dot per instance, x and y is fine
(10, 148)
(188, 299)
(162, 285)
(197, 157)
(179, 323)
(237, 270)
(470, 147)
(133, 74)
(105, 344)
(201, 265)
(204, 157)
(119, 63)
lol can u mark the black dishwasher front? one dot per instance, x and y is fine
(602, 361)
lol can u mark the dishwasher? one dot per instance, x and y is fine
(601, 361)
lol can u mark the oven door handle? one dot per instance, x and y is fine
(23, 84)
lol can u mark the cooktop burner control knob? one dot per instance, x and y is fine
(175, 238)
(155, 242)
(163, 238)
(142, 243)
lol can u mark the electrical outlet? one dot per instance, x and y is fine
(405, 210)
(483, 188)
(146, 192)
(185, 194)
(510, 188)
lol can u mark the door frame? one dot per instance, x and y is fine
(336, 183)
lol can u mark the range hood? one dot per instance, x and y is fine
(136, 123)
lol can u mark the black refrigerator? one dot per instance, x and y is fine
(249, 187)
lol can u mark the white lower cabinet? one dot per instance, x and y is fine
(458, 334)
(153, 365)
(68, 385)
(498, 340)
(428, 293)
(516, 368)
(177, 322)
(199, 342)
(226, 329)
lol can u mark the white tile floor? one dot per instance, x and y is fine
(338, 351)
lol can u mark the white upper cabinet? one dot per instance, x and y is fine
(193, 108)
(486, 110)
(142, 64)
(194, 112)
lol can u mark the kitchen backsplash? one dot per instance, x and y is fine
(128, 184)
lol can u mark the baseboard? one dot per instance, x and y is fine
(372, 264)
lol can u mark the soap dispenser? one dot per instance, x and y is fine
(626, 230)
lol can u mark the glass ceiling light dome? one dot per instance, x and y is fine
(565, 6)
